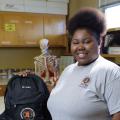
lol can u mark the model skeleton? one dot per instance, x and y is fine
(46, 64)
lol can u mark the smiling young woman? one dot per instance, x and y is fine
(88, 89)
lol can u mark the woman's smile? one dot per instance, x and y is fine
(81, 55)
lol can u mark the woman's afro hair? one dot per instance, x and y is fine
(89, 18)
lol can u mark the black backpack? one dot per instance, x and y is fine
(26, 99)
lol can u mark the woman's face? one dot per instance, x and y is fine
(84, 46)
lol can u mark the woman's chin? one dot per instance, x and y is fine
(80, 63)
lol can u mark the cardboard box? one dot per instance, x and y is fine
(114, 50)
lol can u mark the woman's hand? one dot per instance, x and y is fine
(53, 70)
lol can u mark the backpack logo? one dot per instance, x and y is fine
(27, 114)
(26, 86)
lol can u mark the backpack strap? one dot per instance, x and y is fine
(8, 92)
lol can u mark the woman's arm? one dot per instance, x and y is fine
(116, 116)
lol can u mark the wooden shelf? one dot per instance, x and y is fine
(18, 46)
(2, 90)
(30, 46)
(104, 55)
(110, 55)
(113, 29)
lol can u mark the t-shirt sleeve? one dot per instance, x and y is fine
(112, 92)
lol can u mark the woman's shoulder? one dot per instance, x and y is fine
(106, 67)
(71, 66)
(105, 70)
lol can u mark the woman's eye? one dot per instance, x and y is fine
(87, 41)
(75, 42)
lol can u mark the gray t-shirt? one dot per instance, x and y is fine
(89, 92)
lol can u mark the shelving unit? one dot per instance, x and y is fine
(112, 57)
(27, 29)
(2, 90)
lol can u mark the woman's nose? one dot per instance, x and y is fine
(81, 46)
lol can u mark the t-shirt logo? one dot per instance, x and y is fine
(84, 83)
